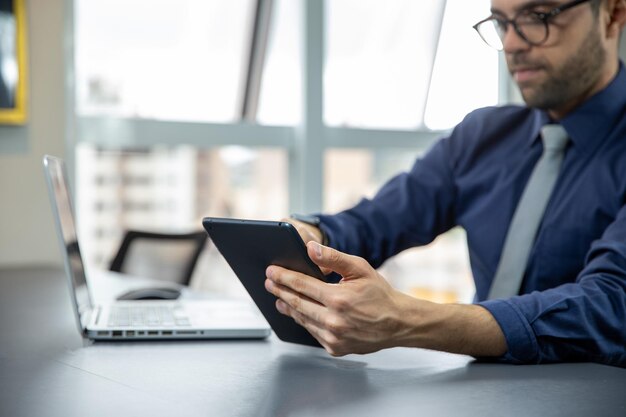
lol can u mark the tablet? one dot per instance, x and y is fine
(249, 247)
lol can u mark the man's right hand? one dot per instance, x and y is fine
(308, 233)
(362, 313)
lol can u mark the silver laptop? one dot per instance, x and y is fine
(140, 319)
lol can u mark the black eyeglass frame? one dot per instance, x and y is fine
(541, 17)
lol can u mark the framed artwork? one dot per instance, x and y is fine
(13, 62)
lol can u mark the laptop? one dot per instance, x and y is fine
(182, 318)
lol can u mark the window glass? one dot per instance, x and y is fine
(380, 58)
(437, 272)
(161, 59)
(466, 70)
(280, 101)
(171, 189)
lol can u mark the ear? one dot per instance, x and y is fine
(617, 14)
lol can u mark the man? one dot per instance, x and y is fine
(489, 176)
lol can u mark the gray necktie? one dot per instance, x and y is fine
(528, 214)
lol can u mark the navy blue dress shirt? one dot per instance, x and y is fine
(572, 304)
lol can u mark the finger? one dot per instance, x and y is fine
(306, 231)
(304, 234)
(299, 300)
(295, 301)
(307, 235)
(301, 318)
(302, 284)
(320, 334)
(347, 266)
(325, 271)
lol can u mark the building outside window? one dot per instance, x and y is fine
(164, 137)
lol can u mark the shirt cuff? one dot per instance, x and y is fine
(520, 338)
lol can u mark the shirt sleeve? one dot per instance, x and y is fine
(410, 209)
(581, 321)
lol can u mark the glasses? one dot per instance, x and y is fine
(532, 26)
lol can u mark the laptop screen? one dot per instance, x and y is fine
(66, 229)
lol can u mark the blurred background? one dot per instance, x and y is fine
(168, 111)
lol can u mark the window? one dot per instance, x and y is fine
(281, 89)
(466, 73)
(400, 64)
(183, 60)
(171, 188)
(163, 140)
(438, 272)
(379, 61)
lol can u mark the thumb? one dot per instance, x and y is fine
(347, 266)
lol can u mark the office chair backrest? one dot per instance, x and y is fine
(161, 256)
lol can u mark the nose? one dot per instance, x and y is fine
(512, 41)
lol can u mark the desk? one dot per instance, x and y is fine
(47, 370)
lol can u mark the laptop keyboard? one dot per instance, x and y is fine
(147, 316)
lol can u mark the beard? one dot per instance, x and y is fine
(570, 81)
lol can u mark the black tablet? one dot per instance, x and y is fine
(249, 247)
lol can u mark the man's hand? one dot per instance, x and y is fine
(360, 314)
(363, 313)
(308, 233)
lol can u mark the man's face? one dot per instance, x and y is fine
(565, 70)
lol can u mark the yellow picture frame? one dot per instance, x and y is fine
(13, 62)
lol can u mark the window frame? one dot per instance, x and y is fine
(305, 143)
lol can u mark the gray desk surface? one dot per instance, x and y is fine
(46, 369)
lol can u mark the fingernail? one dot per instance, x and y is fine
(318, 250)
(269, 272)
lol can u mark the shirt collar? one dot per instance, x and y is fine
(592, 120)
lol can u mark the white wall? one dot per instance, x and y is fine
(26, 226)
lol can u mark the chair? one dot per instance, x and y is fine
(160, 256)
